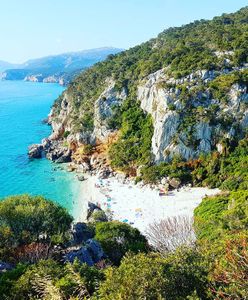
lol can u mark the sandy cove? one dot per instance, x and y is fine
(138, 206)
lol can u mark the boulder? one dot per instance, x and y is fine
(81, 254)
(121, 177)
(139, 171)
(90, 254)
(65, 158)
(95, 250)
(5, 267)
(81, 233)
(46, 143)
(164, 181)
(174, 182)
(91, 209)
(104, 173)
(81, 178)
(85, 167)
(71, 168)
(35, 151)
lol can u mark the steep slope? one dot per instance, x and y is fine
(191, 81)
(58, 67)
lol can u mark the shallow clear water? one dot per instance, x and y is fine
(23, 105)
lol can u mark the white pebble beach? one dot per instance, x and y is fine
(137, 206)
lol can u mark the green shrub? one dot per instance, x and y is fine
(178, 276)
(221, 215)
(118, 238)
(51, 279)
(25, 219)
(99, 216)
(66, 133)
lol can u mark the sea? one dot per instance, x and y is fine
(23, 106)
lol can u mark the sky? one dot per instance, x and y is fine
(36, 28)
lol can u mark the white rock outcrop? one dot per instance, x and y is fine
(167, 110)
(103, 109)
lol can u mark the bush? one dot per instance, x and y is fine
(141, 276)
(49, 279)
(118, 238)
(230, 274)
(175, 169)
(138, 277)
(221, 215)
(66, 133)
(98, 216)
(25, 219)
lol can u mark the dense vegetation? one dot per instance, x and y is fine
(134, 143)
(227, 171)
(214, 268)
(25, 220)
(109, 234)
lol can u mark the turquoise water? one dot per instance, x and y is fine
(23, 105)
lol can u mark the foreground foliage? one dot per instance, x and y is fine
(25, 220)
(178, 276)
(215, 268)
(225, 214)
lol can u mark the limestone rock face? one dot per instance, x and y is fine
(103, 109)
(60, 123)
(188, 137)
(183, 126)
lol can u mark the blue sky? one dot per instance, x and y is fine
(35, 28)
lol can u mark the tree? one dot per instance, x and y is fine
(26, 219)
(118, 238)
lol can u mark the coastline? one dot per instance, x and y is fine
(136, 205)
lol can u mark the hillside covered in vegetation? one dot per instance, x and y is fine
(182, 94)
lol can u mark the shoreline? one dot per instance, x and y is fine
(135, 205)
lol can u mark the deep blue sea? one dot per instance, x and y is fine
(23, 106)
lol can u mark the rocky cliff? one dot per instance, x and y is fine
(191, 80)
(206, 128)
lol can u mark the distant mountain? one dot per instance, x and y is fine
(56, 68)
(5, 65)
